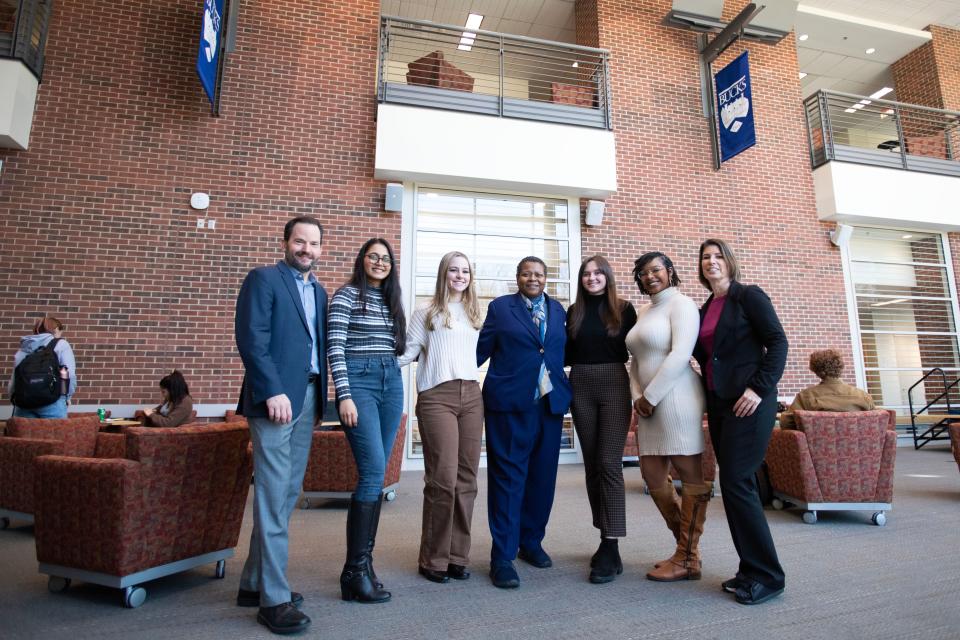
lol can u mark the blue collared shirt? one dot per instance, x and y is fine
(308, 298)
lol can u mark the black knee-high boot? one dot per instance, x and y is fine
(373, 542)
(356, 582)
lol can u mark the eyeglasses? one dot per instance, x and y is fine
(376, 258)
(652, 271)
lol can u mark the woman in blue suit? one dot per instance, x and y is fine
(525, 394)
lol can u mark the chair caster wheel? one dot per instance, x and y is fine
(810, 517)
(57, 584)
(4, 523)
(879, 518)
(221, 570)
(133, 597)
(390, 496)
(777, 504)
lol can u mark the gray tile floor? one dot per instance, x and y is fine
(845, 578)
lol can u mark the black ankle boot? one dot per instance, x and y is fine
(373, 541)
(606, 564)
(356, 582)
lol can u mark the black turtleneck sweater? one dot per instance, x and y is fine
(592, 344)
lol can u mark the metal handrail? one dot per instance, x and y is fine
(429, 64)
(854, 128)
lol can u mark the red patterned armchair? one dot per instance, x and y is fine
(27, 438)
(955, 441)
(835, 462)
(175, 502)
(332, 473)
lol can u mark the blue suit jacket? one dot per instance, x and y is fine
(274, 341)
(512, 343)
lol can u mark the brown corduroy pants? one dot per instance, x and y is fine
(450, 418)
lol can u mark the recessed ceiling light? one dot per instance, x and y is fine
(803, 37)
(876, 95)
(849, 110)
(907, 236)
(474, 20)
(803, 75)
(871, 50)
(575, 65)
(866, 101)
(467, 38)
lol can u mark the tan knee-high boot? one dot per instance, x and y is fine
(668, 502)
(685, 562)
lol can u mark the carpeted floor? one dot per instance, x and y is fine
(845, 578)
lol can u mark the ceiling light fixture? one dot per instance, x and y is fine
(803, 37)
(907, 236)
(876, 95)
(803, 75)
(467, 37)
(575, 65)
(870, 51)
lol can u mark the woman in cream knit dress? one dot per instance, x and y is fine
(668, 399)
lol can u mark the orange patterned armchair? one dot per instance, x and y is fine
(175, 502)
(27, 438)
(332, 473)
(835, 462)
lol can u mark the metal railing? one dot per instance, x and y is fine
(441, 66)
(23, 31)
(852, 128)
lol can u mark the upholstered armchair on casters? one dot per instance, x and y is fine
(955, 441)
(175, 502)
(835, 462)
(27, 438)
(332, 473)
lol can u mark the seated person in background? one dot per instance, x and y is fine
(831, 394)
(177, 406)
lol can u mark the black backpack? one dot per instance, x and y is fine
(36, 380)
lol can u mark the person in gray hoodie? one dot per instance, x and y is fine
(44, 331)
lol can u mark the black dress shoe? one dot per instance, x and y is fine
(734, 583)
(283, 619)
(753, 592)
(440, 577)
(536, 557)
(458, 571)
(252, 598)
(503, 575)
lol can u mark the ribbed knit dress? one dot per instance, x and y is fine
(661, 343)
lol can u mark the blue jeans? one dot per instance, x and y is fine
(377, 391)
(56, 409)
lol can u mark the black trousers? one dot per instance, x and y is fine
(601, 411)
(740, 445)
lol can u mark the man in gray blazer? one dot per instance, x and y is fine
(280, 328)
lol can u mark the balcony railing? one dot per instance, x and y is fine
(852, 128)
(438, 66)
(23, 31)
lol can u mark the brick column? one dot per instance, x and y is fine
(930, 75)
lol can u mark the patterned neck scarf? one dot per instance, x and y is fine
(538, 313)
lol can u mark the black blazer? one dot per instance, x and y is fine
(749, 346)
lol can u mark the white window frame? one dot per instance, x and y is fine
(852, 309)
(408, 234)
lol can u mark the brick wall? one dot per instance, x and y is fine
(669, 198)
(97, 225)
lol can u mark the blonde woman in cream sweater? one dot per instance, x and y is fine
(669, 400)
(442, 337)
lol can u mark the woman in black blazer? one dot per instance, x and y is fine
(742, 350)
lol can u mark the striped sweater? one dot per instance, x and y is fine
(353, 333)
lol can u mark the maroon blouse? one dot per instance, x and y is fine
(707, 330)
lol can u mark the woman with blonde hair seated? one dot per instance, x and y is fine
(177, 406)
(831, 394)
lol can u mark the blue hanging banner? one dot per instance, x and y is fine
(212, 29)
(735, 108)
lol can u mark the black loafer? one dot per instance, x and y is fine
(536, 557)
(439, 577)
(504, 576)
(283, 619)
(734, 583)
(755, 593)
(458, 571)
(252, 598)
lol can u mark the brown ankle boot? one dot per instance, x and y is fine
(685, 562)
(668, 502)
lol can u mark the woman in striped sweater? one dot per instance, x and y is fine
(366, 332)
(443, 339)
(669, 400)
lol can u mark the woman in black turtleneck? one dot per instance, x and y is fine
(597, 324)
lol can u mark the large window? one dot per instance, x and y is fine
(495, 231)
(906, 306)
